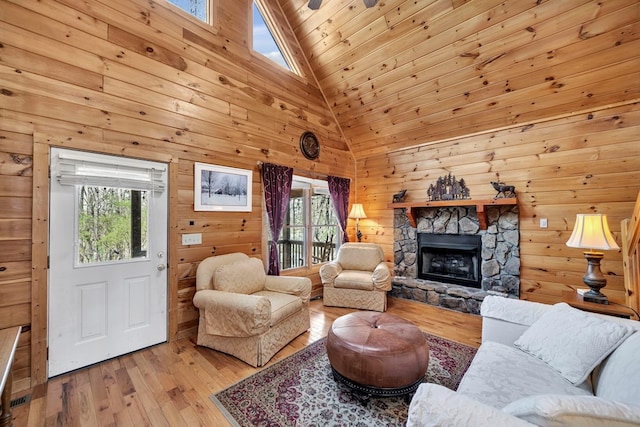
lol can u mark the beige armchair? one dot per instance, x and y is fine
(246, 313)
(357, 278)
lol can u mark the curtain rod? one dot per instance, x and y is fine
(309, 174)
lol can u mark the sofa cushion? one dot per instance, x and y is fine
(244, 277)
(436, 406)
(205, 273)
(571, 341)
(282, 305)
(554, 410)
(618, 377)
(233, 315)
(505, 319)
(360, 256)
(351, 279)
(500, 374)
(512, 310)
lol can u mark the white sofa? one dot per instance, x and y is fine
(545, 365)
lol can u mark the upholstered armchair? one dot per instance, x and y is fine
(357, 278)
(246, 313)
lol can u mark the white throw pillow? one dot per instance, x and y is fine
(554, 410)
(244, 277)
(571, 341)
(436, 406)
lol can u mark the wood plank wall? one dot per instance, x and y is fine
(144, 79)
(141, 79)
(407, 72)
(586, 163)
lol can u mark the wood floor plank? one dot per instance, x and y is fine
(114, 394)
(53, 398)
(170, 384)
(88, 415)
(100, 397)
(174, 417)
(150, 378)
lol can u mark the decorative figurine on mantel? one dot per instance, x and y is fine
(503, 191)
(447, 188)
(399, 196)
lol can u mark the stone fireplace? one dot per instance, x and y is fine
(448, 256)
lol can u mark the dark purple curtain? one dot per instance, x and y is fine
(339, 190)
(277, 190)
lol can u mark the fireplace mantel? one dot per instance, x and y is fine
(480, 205)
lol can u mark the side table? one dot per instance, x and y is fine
(8, 343)
(574, 300)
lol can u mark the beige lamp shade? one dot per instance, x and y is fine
(591, 231)
(357, 212)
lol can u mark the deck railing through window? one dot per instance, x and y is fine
(292, 253)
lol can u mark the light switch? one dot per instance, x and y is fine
(543, 222)
(192, 239)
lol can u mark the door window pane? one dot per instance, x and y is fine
(112, 224)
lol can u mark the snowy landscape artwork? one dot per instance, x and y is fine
(221, 188)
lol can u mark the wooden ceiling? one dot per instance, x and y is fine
(409, 72)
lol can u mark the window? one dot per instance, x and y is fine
(310, 234)
(267, 41)
(201, 9)
(111, 204)
(112, 224)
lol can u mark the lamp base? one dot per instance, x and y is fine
(596, 297)
(594, 278)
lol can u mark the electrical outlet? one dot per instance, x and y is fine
(192, 239)
(543, 222)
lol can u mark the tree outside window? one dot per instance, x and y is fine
(112, 224)
(310, 233)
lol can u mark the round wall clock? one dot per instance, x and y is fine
(310, 145)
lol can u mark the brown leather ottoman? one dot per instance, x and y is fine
(377, 354)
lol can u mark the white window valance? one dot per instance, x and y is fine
(79, 169)
(317, 185)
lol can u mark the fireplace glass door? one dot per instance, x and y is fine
(450, 258)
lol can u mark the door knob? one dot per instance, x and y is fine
(161, 267)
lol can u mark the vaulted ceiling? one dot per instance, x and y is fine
(408, 72)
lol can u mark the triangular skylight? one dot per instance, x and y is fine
(265, 39)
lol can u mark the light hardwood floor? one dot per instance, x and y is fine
(170, 384)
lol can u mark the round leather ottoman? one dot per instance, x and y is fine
(377, 354)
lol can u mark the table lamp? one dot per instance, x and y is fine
(357, 212)
(591, 232)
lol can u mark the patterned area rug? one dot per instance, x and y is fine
(300, 391)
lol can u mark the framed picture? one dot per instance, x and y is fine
(223, 189)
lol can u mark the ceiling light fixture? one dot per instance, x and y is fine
(315, 4)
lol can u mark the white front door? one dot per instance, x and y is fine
(107, 258)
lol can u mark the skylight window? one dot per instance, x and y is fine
(265, 39)
(198, 8)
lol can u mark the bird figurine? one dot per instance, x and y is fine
(398, 197)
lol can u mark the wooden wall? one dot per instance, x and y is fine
(141, 79)
(408, 72)
(585, 163)
(541, 94)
